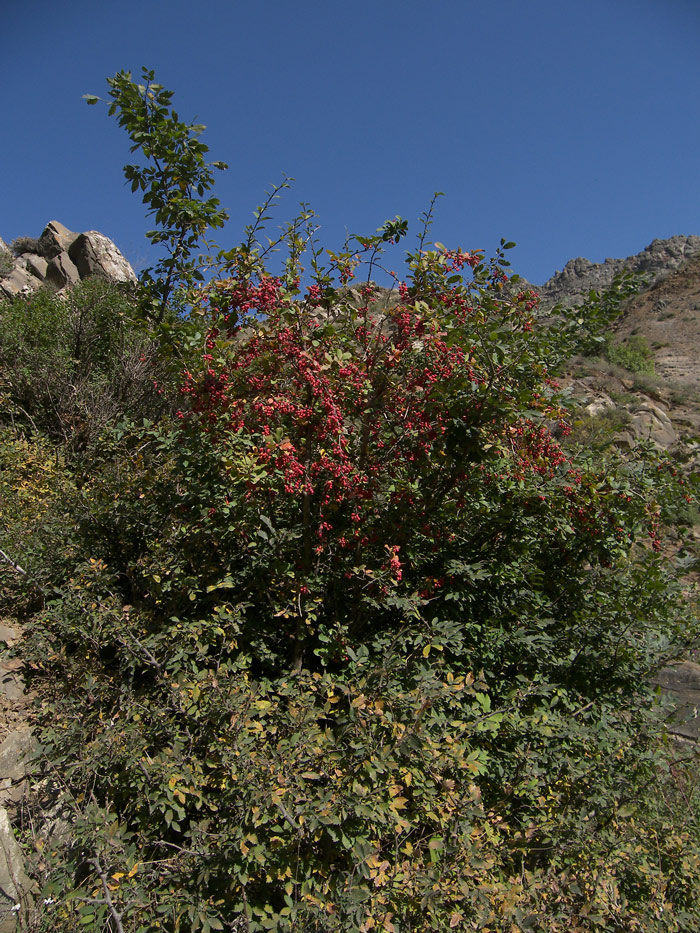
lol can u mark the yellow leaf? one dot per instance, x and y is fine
(426, 651)
(117, 875)
(133, 870)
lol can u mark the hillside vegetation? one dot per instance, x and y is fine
(332, 623)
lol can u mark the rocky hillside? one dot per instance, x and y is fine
(652, 393)
(579, 276)
(663, 322)
(59, 258)
(668, 315)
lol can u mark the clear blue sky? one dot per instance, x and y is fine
(570, 126)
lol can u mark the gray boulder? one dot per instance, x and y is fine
(599, 405)
(62, 259)
(61, 271)
(9, 634)
(649, 422)
(19, 282)
(95, 254)
(682, 684)
(16, 902)
(36, 265)
(15, 753)
(15, 758)
(55, 239)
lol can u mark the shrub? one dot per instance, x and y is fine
(351, 642)
(599, 432)
(37, 507)
(634, 354)
(365, 647)
(25, 244)
(72, 365)
(6, 263)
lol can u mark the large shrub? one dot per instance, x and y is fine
(353, 642)
(364, 645)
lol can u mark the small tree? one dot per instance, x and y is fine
(173, 181)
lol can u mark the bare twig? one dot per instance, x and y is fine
(117, 917)
(13, 564)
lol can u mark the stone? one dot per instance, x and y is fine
(61, 271)
(9, 634)
(571, 285)
(681, 682)
(649, 422)
(11, 794)
(37, 265)
(55, 239)
(19, 282)
(599, 405)
(15, 754)
(95, 254)
(12, 683)
(16, 902)
(62, 258)
(15, 759)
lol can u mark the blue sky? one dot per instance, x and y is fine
(569, 126)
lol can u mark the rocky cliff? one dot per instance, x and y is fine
(579, 276)
(59, 258)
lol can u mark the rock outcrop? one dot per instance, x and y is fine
(681, 683)
(60, 258)
(579, 276)
(16, 888)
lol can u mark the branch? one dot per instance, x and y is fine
(108, 894)
(13, 564)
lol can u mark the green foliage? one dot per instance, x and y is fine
(173, 181)
(408, 697)
(72, 365)
(351, 641)
(24, 244)
(599, 432)
(6, 262)
(634, 354)
(35, 490)
(583, 329)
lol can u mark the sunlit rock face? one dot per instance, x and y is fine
(60, 258)
(579, 276)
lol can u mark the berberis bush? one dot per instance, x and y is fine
(354, 641)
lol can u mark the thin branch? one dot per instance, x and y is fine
(108, 894)
(13, 563)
